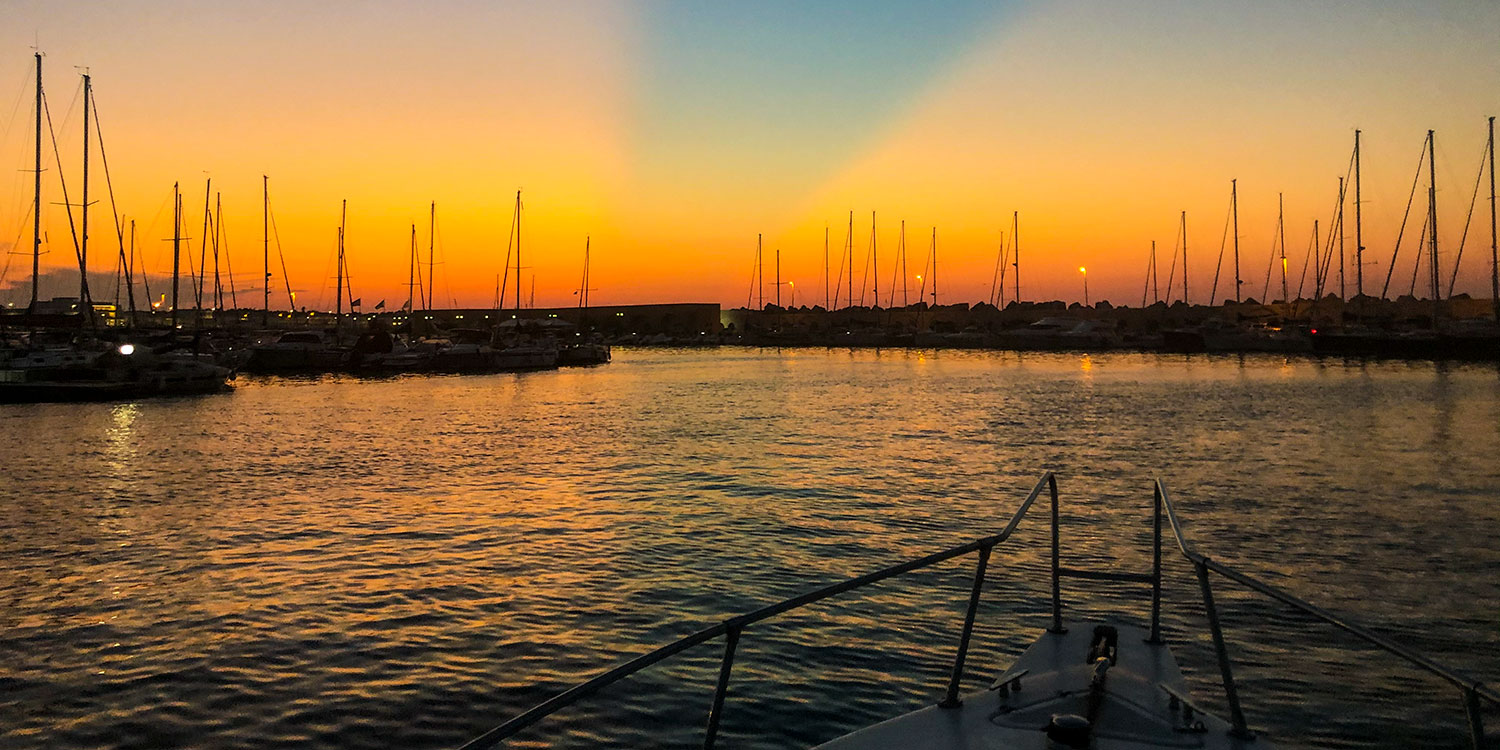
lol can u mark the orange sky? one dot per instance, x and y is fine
(673, 133)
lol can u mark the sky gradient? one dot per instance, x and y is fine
(673, 133)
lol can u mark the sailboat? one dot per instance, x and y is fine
(590, 351)
(521, 344)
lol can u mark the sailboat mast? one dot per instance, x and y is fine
(901, 259)
(1343, 288)
(518, 252)
(203, 250)
(874, 261)
(1184, 260)
(778, 277)
(1281, 225)
(339, 288)
(934, 267)
(431, 243)
(1234, 209)
(176, 246)
(411, 273)
(1359, 238)
(1433, 224)
(85, 304)
(1494, 254)
(760, 275)
(849, 250)
(1015, 250)
(265, 253)
(218, 230)
(36, 208)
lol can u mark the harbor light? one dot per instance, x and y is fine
(127, 349)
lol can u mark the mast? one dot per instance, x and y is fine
(1184, 260)
(583, 289)
(1494, 255)
(1234, 208)
(339, 289)
(778, 277)
(874, 261)
(203, 251)
(518, 259)
(1015, 250)
(85, 304)
(411, 276)
(432, 258)
(934, 267)
(1343, 289)
(849, 249)
(1432, 223)
(130, 274)
(36, 208)
(218, 230)
(1359, 241)
(760, 275)
(265, 233)
(1281, 225)
(901, 259)
(176, 246)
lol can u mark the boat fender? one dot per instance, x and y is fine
(1069, 730)
(1105, 645)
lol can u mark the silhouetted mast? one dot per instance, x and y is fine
(1281, 225)
(1494, 255)
(518, 257)
(1343, 287)
(1437, 297)
(202, 253)
(265, 233)
(411, 277)
(874, 261)
(176, 246)
(36, 208)
(1359, 237)
(1184, 260)
(778, 277)
(849, 249)
(1234, 210)
(432, 257)
(760, 275)
(934, 267)
(85, 305)
(339, 291)
(1015, 250)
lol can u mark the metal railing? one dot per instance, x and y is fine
(1471, 690)
(732, 628)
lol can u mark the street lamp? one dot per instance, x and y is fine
(1085, 273)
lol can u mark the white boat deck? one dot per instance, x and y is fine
(1135, 709)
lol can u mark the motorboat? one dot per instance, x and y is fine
(1112, 685)
(297, 352)
(122, 372)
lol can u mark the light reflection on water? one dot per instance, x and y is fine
(408, 561)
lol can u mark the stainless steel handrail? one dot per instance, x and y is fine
(1472, 690)
(732, 627)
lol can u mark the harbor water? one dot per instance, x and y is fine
(407, 562)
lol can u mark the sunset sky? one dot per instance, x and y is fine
(672, 133)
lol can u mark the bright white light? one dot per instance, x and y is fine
(127, 349)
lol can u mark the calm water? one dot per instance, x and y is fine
(408, 562)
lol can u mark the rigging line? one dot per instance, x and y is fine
(838, 286)
(109, 184)
(10, 254)
(1417, 266)
(1172, 269)
(510, 239)
(234, 299)
(750, 294)
(63, 181)
(437, 232)
(1223, 242)
(995, 277)
(864, 281)
(20, 94)
(1463, 238)
(1266, 290)
(1325, 253)
(1307, 259)
(1404, 217)
(286, 278)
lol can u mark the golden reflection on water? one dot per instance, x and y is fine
(437, 544)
